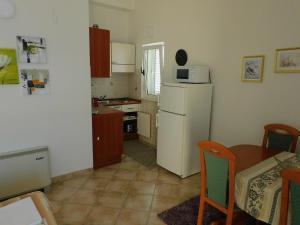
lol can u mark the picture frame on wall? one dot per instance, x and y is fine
(253, 68)
(35, 82)
(32, 50)
(9, 72)
(287, 60)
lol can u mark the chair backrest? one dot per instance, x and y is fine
(280, 137)
(217, 173)
(290, 183)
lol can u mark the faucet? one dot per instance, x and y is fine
(102, 97)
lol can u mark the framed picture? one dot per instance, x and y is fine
(287, 60)
(31, 50)
(35, 82)
(9, 73)
(253, 68)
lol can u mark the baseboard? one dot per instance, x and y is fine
(69, 176)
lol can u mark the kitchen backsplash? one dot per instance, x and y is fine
(114, 87)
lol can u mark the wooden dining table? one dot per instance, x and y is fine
(258, 181)
(249, 155)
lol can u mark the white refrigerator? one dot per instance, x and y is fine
(183, 120)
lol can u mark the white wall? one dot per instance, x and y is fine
(114, 87)
(122, 4)
(219, 33)
(61, 120)
(113, 19)
(117, 21)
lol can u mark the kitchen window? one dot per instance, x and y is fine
(152, 68)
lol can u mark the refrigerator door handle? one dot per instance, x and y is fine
(156, 120)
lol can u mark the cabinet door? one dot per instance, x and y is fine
(100, 52)
(107, 139)
(99, 150)
(115, 137)
(122, 53)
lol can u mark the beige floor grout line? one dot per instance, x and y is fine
(123, 204)
(150, 209)
(101, 192)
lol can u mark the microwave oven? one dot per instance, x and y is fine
(192, 74)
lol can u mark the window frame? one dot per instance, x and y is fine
(161, 47)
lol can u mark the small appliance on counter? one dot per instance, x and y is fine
(192, 74)
(197, 74)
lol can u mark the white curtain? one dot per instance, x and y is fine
(152, 67)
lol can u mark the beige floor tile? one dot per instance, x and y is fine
(114, 166)
(120, 194)
(73, 213)
(168, 190)
(154, 220)
(168, 178)
(112, 199)
(60, 193)
(84, 197)
(194, 179)
(55, 206)
(126, 158)
(130, 165)
(147, 176)
(161, 203)
(141, 187)
(60, 222)
(105, 172)
(138, 202)
(118, 186)
(76, 182)
(96, 183)
(100, 215)
(132, 217)
(125, 174)
(188, 191)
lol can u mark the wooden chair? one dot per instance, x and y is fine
(280, 137)
(290, 183)
(217, 180)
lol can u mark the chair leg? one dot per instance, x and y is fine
(229, 218)
(201, 212)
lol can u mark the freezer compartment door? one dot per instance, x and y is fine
(170, 141)
(172, 99)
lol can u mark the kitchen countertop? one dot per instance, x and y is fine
(120, 101)
(103, 110)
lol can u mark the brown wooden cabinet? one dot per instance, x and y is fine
(99, 52)
(107, 139)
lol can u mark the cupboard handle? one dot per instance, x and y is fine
(98, 138)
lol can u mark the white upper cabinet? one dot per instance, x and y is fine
(122, 57)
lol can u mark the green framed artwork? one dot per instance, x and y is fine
(9, 73)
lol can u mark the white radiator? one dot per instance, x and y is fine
(144, 124)
(24, 171)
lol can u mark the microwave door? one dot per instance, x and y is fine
(182, 74)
